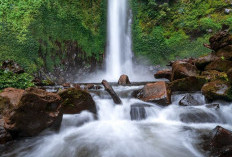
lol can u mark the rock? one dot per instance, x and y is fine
(188, 84)
(182, 70)
(213, 75)
(217, 90)
(89, 86)
(189, 100)
(229, 75)
(66, 85)
(221, 137)
(221, 65)
(30, 111)
(167, 74)
(76, 86)
(215, 106)
(124, 80)
(156, 92)
(220, 40)
(138, 111)
(205, 60)
(225, 52)
(4, 135)
(10, 65)
(194, 115)
(75, 101)
(111, 91)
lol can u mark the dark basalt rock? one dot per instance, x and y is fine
(221, 65)
(138, 111)
(189, 100)
(182, 69)
(75, 101)
(167, 74)
(157, 92)
(124, 80)
(30, 111)
(220, 40)
(202, 62)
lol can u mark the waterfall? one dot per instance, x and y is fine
(119, 52)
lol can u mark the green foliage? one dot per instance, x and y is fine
(39, 33)
(9, 79)
(183, 26)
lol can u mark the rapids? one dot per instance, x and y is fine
(162, 134)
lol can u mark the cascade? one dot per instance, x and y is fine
(119, 52)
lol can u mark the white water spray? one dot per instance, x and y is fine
(119, 53)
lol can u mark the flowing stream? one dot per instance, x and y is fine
(166, 131)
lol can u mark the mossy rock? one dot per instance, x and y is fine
(221, 65)
(188, 84)
(229, 75)
(217, 90)
(225, 52)
(213, 75)
(75, 101)
(203, 61)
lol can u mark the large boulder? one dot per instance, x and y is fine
(225, 52)
(188, 84)
(189, 100)
(217, 90)
(182, 69)
(10, 65)
(213, 75)
(157, 92)
(219, 65)
(124, 80)
(75, 101)
(28, 112)
(167, 74)
(205, 60)
(220, 40)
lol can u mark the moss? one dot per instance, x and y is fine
(188, 84)
(213, 75)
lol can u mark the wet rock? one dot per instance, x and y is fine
(75, 101)
(221, 137)
(167, 73)
(138, 111)
(229, 75)
(124, 80)
(225, 52)
(12, 66)
(97, 87)
(202, 62)
(214, 106)
(213, 75)
(76, 86)
(157, 92)
(189, 100)
(89, 86)
(30, 111)
(188, 84)
(217, 90)
(194, 115)
(220, 40)
(182, 70)
(219, 65)
(4, 135)
(66, 85)
(111, 91)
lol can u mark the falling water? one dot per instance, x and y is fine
(119, 53)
